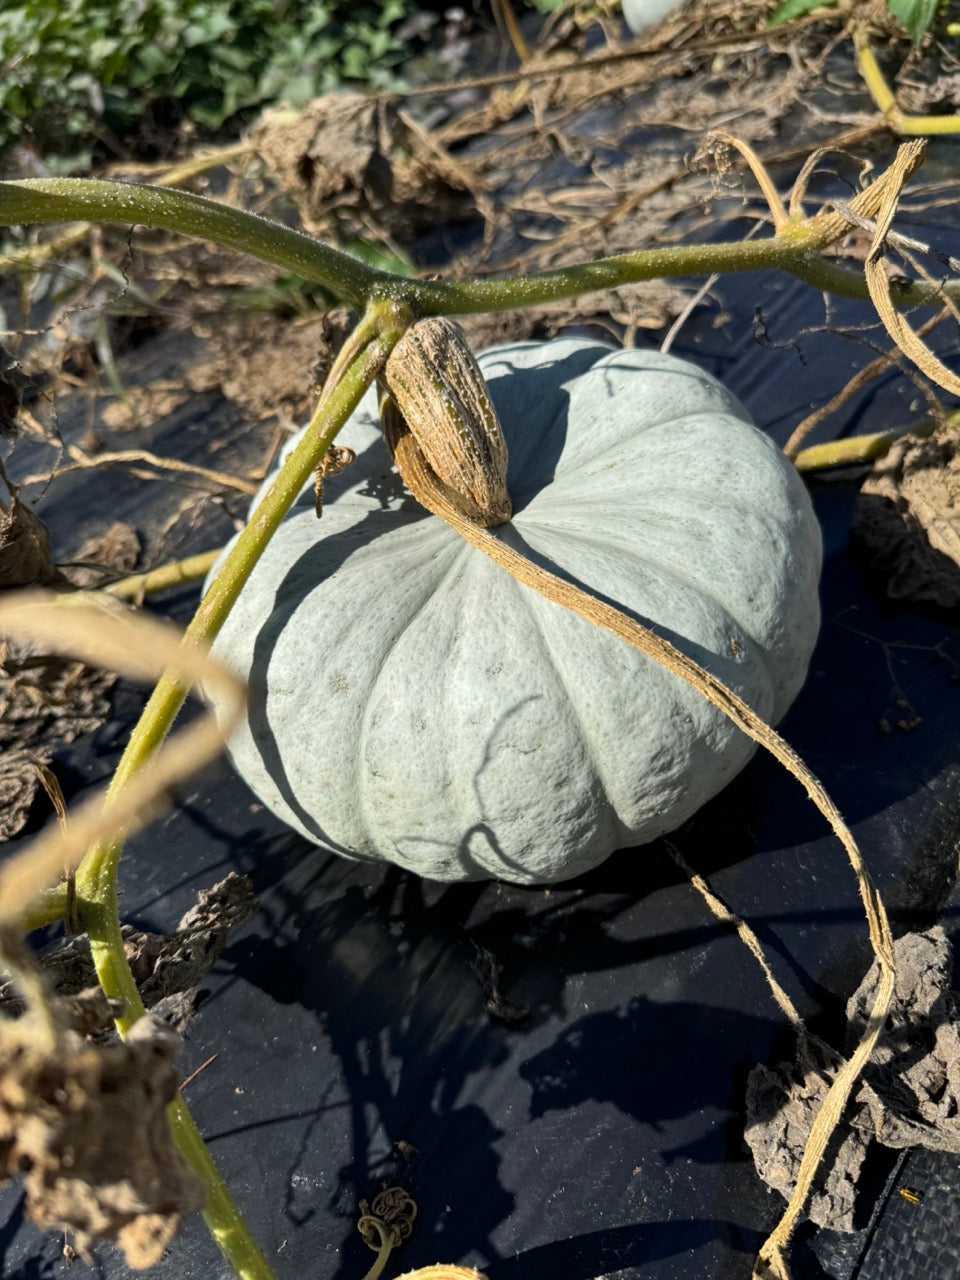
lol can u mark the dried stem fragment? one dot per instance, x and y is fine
(438, 394)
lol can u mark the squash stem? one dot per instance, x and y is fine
(856, 450)
(164, 576)
(885, 99)
(96, 875)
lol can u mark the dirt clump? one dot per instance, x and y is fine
(907, 519)
(86, 1128)
(909, 1095)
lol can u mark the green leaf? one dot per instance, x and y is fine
(205, 58)
(355, 61)
(916, 16)
(16, 101)
(791, 9)
(150, 63)
(100, 49)
(237, 59)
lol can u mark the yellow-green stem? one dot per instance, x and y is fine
(96, 879)
(164, 576)
(857, 449)
(60, 199)
(388, 1242)
(220, 1213)
(96, 876)
(883, 96)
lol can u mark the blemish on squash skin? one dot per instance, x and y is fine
(340, 683)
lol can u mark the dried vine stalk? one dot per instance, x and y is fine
(427, 435)
(879, 286)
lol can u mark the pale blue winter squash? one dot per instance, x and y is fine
(409, 701)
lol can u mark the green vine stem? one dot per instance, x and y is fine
(884, 97)
(97, 200)
(35, 255)
(856, 450)
(224, 1220)
(797, 250)
(96, 878)
(164, 576)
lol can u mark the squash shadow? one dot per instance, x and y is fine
(388, 969)
(394, 1042)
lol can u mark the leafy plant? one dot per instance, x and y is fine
(915, 16)
(90, 66)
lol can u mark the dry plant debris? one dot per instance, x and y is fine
(165, 967)
(907, 519)
(148, 403)
(909, 1096)
(347, 160)
(45, 701)
(25, 556)
(86, 1128)
(25, 559)
(265, 364)
(111, 552)
(19, 783)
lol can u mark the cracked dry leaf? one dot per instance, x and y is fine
(166, 968)
(339, 158)
(907, 519)
(44, 701)
(782, 1104)
(912, 1083)
(19, 783)
(25, 558)
(86, 1128)
(44, 698)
